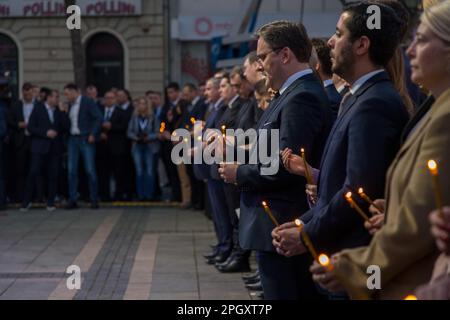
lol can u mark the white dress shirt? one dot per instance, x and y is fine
(358, 83)
(73, 115)
(294, 78)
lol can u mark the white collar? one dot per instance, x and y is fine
(196, 99)
(78, 101)
(358, 83)
(218, 103)
(230, 104)
(48, 107)
(327, 83)
(294, 78)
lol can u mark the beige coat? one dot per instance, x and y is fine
(404, 248)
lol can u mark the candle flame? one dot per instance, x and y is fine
(361, 191)
(264, 204)
(411, 297)
(348, 195)
(298, 223)
(432, 165)
(192, 120)
(324, 260)
(302, 150)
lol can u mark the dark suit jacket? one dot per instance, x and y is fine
(14, 117)
(89, 118)
(203, 171)
(117, 135)
(361, 146)
(229, 118)
(335, 99)
(38, 126)
(303, 117)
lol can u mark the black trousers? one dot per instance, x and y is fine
(50, 162)
(287, 278)
(22, 165)
(171, 171)
(197, 187)
(111, 165)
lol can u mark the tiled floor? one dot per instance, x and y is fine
(123, 253)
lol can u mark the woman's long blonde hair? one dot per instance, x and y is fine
(149, 110)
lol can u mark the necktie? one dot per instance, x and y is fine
(51, 115)
(344, 101)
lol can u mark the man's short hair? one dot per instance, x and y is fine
(252, 57)
(46, 92)
(282, 34)
(190, 86)
(153, 92)
(237, 71)
(214, 81)
(173, 85)
(27, 86)
(323, 54)
(71, 86)
(383, 41)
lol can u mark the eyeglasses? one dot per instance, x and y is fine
(262, 57)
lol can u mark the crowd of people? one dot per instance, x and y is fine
(359, 117)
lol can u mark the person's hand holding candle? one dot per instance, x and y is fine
(440, 229)
(325, 276)
(286, 240)
(293, 163)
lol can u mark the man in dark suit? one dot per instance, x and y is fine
(196, 110)
(20, 137)
(216, 192)
(301, 114)
(168, 116)
(229, 90)
(111, 149)
(85, 126)
(47, 126)
(321, 62)
(363, 141)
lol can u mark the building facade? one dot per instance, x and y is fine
(123, 41)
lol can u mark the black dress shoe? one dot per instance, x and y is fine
(253, 280)
(220, 258)
(211, 255)
(71, 205)
(254, 287)
(226, 262)
(235, 265)
(250, 276)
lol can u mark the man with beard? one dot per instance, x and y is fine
(362, 143)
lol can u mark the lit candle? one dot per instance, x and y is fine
(224, 144)
(163, 127)
(193, 120)
(433, 167)
(367, 199)
(306, 239)
(355, 206)
(411, 297)
(325, 261)
(269, 213)
(307, 173)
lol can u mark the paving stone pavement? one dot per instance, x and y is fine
(124, 253)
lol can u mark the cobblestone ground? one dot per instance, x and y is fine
(123, 253)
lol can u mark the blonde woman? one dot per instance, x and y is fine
(143, 130)
(404, 248)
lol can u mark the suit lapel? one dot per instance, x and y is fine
(382, 76)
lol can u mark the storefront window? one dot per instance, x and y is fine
(104, 62)
(9, 63)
